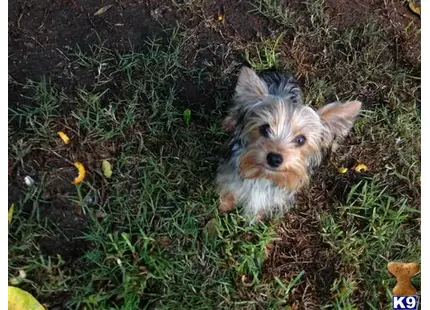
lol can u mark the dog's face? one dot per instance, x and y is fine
(283, 137)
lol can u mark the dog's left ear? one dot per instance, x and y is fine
(339, 118)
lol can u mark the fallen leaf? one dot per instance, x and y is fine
(81, 173)
(187, 116)
(415, 6)
(19, 299)
(220, 18)
(103, 10)
(106, 168)
(10, 213)
(342, 170)
(64, 137)
(361, 168)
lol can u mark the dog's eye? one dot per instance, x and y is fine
(300, 140)
(265, 130)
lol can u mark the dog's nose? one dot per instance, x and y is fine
(274, 159)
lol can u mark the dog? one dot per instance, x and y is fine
(276, 142)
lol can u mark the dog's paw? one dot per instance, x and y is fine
(227, 202)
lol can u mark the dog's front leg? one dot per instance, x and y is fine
(227, 202)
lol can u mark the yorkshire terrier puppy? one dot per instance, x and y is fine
(276, 142)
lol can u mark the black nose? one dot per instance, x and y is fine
(274, 160)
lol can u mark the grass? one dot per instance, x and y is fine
(150, 236)
(267, 59)
(368, 232)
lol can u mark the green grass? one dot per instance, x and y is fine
(150, 236)
(368, 232)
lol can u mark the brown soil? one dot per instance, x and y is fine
(393, 15)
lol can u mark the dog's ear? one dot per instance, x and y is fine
(339, 118)
(249, 90)
(250, 87)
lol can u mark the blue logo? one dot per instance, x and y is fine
(405, 302)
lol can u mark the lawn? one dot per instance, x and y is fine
(121, 85)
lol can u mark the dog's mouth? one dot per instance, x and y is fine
(271, 169)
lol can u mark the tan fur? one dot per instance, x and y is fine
(227, 202)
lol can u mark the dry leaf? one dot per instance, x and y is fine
(81, 173)
(19, 299)
(415, 6)
(103, 10)
(64, 137)
(10, 213)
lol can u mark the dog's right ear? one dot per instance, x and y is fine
(250, 87)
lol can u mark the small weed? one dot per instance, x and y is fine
(267, 58)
